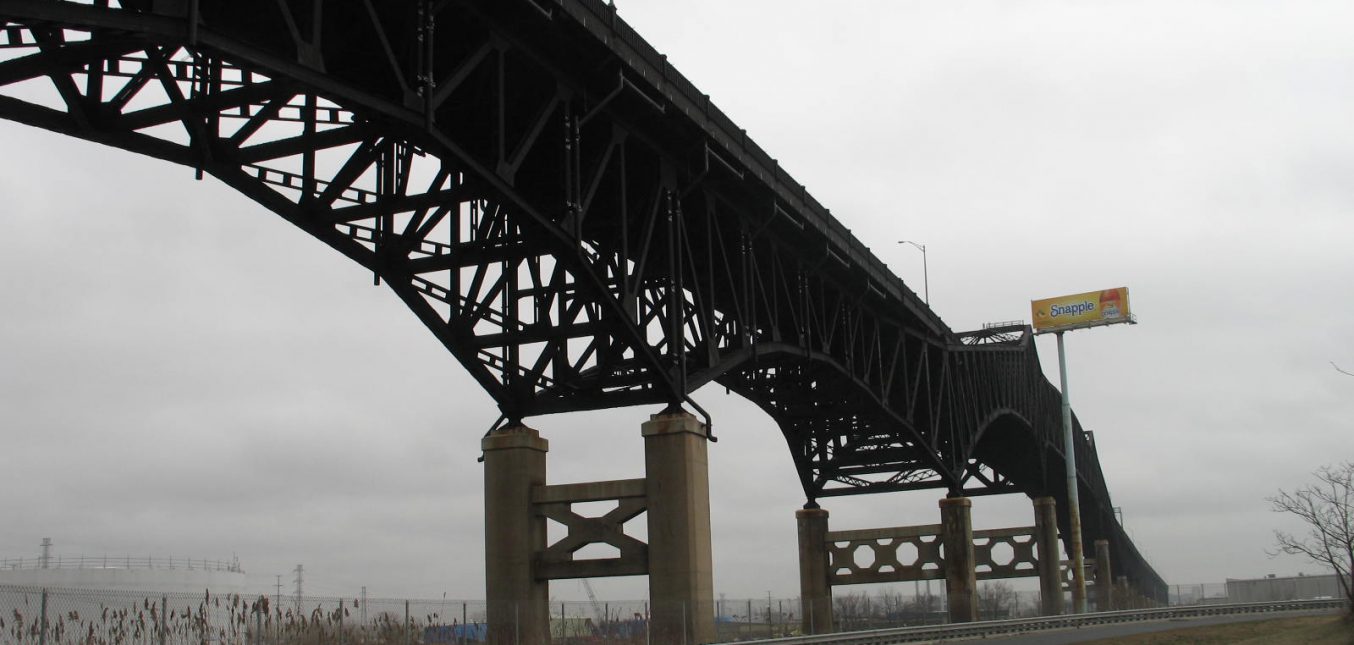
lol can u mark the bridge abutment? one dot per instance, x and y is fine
(815, 584)
(518, 599)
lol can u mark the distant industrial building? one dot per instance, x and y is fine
(122, 573)
(1271, 588)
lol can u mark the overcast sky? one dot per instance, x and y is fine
(184, 374)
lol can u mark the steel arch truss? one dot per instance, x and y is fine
(574, 222)
(564, 256)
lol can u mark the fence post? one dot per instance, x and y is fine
(164, 619)
(407, 627)
(340, 625)
(42, 622)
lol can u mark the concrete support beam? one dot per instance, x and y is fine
(961, 580)
(681, 580)
(815, 586)
(1104, 577)
(1046, 541)
(518, 602)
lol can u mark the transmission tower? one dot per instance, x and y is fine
(300, 574)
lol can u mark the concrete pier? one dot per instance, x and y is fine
(1104, 577)
(1050, 571)
(961, 580)
(681, 580)
(815, 586)
(518, 601)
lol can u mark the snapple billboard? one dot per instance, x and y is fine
(1078, 311)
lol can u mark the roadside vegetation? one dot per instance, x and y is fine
(1306, 630)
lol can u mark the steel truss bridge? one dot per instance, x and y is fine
(572, 218)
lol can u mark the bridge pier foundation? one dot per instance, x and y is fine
(1046, 539)
(681, 578)
(815, 585)
(827, 558)
(518, 600)
(961, 579)
(1104, 577)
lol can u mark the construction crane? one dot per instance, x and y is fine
(599, 616)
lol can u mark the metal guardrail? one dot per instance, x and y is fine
(991, 628)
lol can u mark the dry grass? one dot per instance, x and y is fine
(1308, 630)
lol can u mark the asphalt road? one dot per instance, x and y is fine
(1087, 634)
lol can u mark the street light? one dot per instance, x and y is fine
(925, 279)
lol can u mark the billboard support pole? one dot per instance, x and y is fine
(1073, 499)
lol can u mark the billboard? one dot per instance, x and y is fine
(1090, 309)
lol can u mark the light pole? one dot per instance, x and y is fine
(925, 278)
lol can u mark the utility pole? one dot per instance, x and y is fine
(46, 551)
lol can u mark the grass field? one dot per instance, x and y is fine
(1309, 630)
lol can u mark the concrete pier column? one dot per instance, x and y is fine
(518, 602)
(1104, 577)
(1126, 597)
(815, 587)
(1050, 571)
(961, 579)
(681, 578)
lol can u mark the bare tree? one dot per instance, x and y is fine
(1327, 508)
(852, 610)
(924, 605)
(997, 600)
